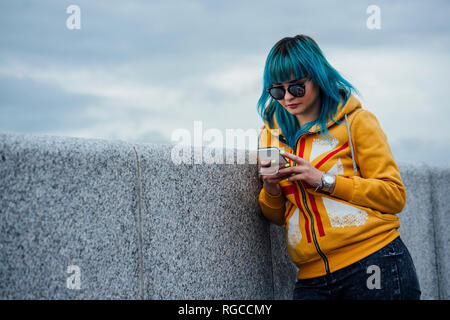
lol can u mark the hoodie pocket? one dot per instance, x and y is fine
(345, 214)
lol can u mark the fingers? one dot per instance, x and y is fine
(268, 163)
(275, 178)
(301, 170)
(293, 157)
(289, 170)
(265, 163)
(269, 169)
(295, 177)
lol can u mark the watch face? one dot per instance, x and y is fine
(328, 179)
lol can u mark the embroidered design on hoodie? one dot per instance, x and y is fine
(321, 146)
(341, 214)
(294, 234)
(337, 168)
(344, 215)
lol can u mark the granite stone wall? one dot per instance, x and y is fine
(108, 219)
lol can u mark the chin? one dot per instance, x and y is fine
(293, 111)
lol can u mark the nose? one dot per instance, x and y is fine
(288, 95)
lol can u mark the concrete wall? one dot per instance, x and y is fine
(140, 227)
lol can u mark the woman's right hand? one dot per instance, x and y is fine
(271, 182)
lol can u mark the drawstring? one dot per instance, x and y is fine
(351, 145)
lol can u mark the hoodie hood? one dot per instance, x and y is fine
(352, 104)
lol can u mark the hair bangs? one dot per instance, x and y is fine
(281, 66)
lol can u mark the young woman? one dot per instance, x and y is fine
(339, 194)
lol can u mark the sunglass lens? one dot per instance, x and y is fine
(297, 90)
(277, 93)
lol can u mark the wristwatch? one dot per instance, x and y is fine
(327, 182)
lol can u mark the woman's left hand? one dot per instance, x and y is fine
(303, 170)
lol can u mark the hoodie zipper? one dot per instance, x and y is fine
(313, 232)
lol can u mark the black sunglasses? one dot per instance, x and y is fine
(297, 90)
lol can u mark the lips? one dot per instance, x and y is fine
(292, 106)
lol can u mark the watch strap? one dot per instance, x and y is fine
(319, 185)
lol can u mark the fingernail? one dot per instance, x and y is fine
(287, 179)
(281, 151)
(293, 174)
(273, 160)
(287, 165)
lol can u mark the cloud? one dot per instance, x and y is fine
(403, 88)
(421, 150)
(138, 70)
(214, 96)
(28, 106)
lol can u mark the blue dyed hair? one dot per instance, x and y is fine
(301, 56)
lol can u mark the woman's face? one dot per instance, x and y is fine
(306, 108)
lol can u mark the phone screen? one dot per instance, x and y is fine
(272, 154)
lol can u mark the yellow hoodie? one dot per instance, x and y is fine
(327, 232)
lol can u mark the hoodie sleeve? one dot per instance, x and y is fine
(273, 207)
(380, 186)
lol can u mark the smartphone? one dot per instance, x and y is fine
(272, 154)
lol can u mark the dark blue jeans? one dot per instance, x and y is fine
(388, 274)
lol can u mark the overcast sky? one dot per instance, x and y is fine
(138, 70)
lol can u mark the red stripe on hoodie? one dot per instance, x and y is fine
(316, 214)
(332, 153)
(311, 198)
(302, 148)
(288, 212)
(293, 190)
